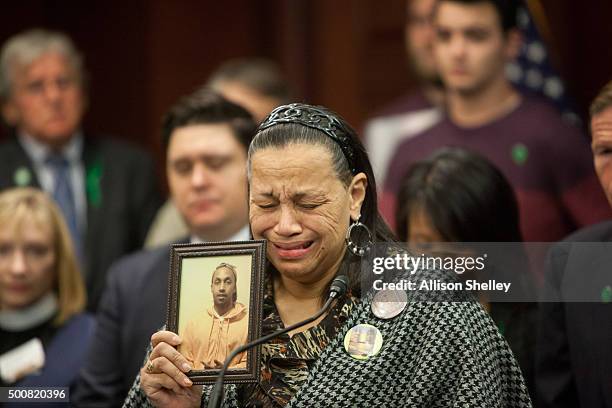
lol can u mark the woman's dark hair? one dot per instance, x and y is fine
(465, 197)
(280, 135)
(205, 107)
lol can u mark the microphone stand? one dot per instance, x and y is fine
(338, 288)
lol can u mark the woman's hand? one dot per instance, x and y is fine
(163, 377)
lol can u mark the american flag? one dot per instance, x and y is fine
(533, 71)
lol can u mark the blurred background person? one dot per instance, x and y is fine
(456, 195)
(445, 196)
(546, 160)
(417, 110)
(42, 296)
(256, 84)
(575, 323)
(106, 190)
(206, 139)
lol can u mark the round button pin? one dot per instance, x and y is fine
(606, 294)
(389, 303)
(22, 176)
(363, 341)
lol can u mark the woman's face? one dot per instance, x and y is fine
(423, 237)
(421, 229)
(300, 206)
(27, 263)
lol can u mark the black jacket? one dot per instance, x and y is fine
(122, 199)
(574, 352)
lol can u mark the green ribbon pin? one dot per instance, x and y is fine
(22, 176)
(519, 154)
(606, 294)
(92, 183)
(501, 326)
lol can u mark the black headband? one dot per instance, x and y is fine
(315, 117)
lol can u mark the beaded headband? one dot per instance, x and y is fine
(314, 117)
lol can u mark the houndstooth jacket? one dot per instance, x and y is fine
(434, 354)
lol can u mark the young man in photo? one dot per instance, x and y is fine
(224, 326)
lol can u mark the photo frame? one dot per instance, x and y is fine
(215, 304)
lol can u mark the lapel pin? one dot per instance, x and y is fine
(389, 303)
(606, 294)
(363, 341)
(22, 176)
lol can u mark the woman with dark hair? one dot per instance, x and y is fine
(456, 195)
(313, 198)
(461, 195)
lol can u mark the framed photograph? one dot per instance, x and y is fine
(215, 305)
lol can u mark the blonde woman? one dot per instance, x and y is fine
(44, 333)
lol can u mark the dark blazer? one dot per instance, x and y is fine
(132, 308)
(64, 355)
(122, 199)
(574, 352)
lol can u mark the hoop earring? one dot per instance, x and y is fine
(357, 249)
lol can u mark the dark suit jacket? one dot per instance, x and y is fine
(133, 307)
(574, 352)
(122, 199)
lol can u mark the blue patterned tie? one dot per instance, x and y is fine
(62, 193)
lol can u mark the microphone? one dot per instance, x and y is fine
(338, 288)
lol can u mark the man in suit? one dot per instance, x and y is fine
(256, 84)
(106, 190)
(206, 139)
(574, 356)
